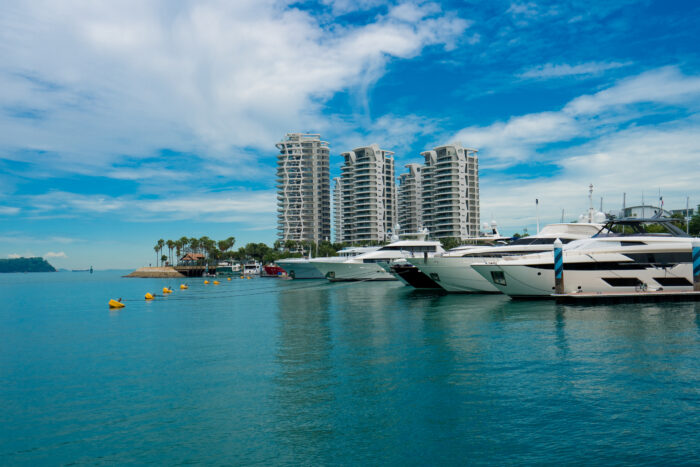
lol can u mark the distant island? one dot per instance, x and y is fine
(25, 265)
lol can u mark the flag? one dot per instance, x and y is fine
(537, 201)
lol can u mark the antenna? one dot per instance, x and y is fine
(687, 216)
(590, 203)
(537, 209)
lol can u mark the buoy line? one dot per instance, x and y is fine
(223, 293)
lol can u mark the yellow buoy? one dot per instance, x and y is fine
(248, 277)
(149, 296)
(206, 282)
(216, 282)
(241, 277)
(228, 279)
(115, 304)
(183, 286)
(167, 290)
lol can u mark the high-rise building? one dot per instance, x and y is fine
(303, 188)
(451, 192)
(410, 200)
(338, 209)
(368, 195)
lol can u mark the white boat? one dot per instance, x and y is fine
(252, 268)
(367, 267)
(453, 271)
(305, 268)
(624, 257)
(226, 268)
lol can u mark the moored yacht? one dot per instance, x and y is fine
(453, 271)
(305, 268)
(367, 267)
(627, 255)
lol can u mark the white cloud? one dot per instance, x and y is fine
(8, 210)
(52, 254)
(201, 77)
(524, 138)
(621, 139)
(13, 256)
(238, 206)
(550, 70)
(665, 85)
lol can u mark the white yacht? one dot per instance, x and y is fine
(367, 267)
(453, 271)
(305, 268)
(252, 268)
(625, 256)
(411, 276)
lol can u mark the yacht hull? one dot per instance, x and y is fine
(347, 271)
(454, 274)
(300, 269)
(521, 281)
(413, 277)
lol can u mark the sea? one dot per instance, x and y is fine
(290, 372)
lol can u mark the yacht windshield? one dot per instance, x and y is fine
(662, 227)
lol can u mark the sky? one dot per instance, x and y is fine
(125, 122)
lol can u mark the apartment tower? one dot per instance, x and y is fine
(338, 209)
(451, 192)
(410, 199)
(368, 195)
(303, 188)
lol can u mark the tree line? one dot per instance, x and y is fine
(220, 250)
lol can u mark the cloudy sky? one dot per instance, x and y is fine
(124, 122)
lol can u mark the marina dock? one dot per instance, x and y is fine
(584, 298)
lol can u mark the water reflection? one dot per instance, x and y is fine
(304, 386)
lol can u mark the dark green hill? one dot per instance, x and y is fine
(25, 265)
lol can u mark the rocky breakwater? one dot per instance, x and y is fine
(162, 272)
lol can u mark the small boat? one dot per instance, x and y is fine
(226, 268)
(252, 268)
(272, 270)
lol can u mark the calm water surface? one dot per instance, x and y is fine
(267, 372)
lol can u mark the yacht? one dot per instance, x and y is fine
(252, 268)
(305, 268)
(627, 255)
(368, 267)
(411, 276)
(453, 271)
(226, 268)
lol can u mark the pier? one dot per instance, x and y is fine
(195, 271)
(585, 298)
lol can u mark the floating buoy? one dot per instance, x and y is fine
(149, 296)
(167, 290)
(216, 282)
(115, 304)
(241, 277)
(183, 286)
(248, 277)
(206, 282)
(228, 279)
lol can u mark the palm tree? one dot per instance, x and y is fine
(156, 248)
(161, 242)
(171, 245)
(183, 243)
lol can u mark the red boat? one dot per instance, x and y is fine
(272, 271)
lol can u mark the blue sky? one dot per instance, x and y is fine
(125, 122)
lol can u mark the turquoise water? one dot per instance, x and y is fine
(266, 371)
